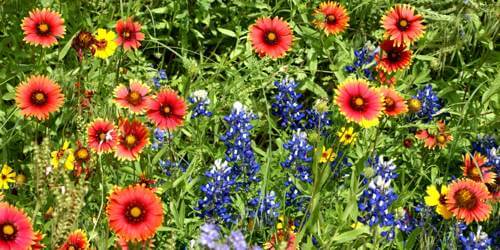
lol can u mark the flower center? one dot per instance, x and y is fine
(72, 247)
(358, 103)
(38, 98)
(474, 172)
(101, 44)
(165, 110)
(442, 199)
(134, 98)
(330, 19)
(135, 214)
(465, 199)
(414, 105)
(126, 34)
(441, 139)
(8, 232)
(403, 23)
(102, 136)
(130, 140)
(82, 154)
(271, 38)
(4, 177)
(43, 28)
(389, 103)
(394, 56)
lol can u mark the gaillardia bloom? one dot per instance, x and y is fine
(135, 97)
(359, 102)
(394, 103)
(37, 241)
(393, 58)
(466, 199)
(443, 137)
(77, 240)
(402, 25)
(167, 111)
(101, 136)
(43, 27)
(105, 44)
(82, 42)
(16, 231)
(476, 170)
(331, 17)
(438, 199)
(38, 97)
(271, 37)
(134, 136)
(129, 34)
(134, 213)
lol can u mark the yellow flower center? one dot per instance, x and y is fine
(135, 212)
(43, 27)
(358, 103)
(441, 139)
(474, 172)
(389, 103)
(130, 140)
(126, 34)
(71, 247)
(82, 153)
(414, 105)
(465, 199)
(271, 36)
(8, 229)
(134, 97)
(166, 110)
(330, 19)
(102, 136)
(403, 23)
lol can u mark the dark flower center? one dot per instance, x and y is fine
(4, 177)
(389, 103)
(42, 28)
(394, 56)
(135, 213)
(101, 44)
(465, 199)
(271, 38)
(38, 98)
(8, 232)
(130, 140)
(403, 24)
(442, 199)
(165, 110)
(102, 136)
(134, 98)
(126, 34)
(358, 103)
(331, 19)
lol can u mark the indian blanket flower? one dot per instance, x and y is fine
(43, 27)
(466, 199)
(425, 104)
(200, 100)
(7, 175)
(133, 97)
(133, 137)
(167, 110)
(443, 137)
(104, 44)
(438, 199)
(65, 151)
(358, 102)
(428, 138)
(129, 33)
(37, 241)
(286, 106)
(76, 240)
(101, 136)
(82, 42)
(134, 213)
(38, 97)
(16, 231)
(475, 169)
(394, 103)
(81, 154)
(331, 17)
(402, 24)
(474, 241)
(393, 57)
(271, 37)
(347, 135)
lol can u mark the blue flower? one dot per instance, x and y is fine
(167, 166)
(430, 103)
(200, 100)
(209, 235)
(237, 240)
(286, 106)
(268, 208)
(161, 75)
(364, 60)
(317, 120)
(473, 241)
(159, 136)
(211, 238)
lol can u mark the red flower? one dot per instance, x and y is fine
(429, 139)
(394, 103)
(135, 97)
(129, 33)
(466, 200)
(37, 241)
(443, 136)
(101, 136)
(42, 27)
(77, 240)
(38, 97)
(271, 37)
(134, 136)
(167, 111)
(331, 17)
(134, 213)
(475, 169)
(393, 58)
(402, 25)
(16, 231)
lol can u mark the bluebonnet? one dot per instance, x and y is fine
(407, 222)
(364, 61)
(200, 100)
(377, 198)
(217, 200)
(339, 163)
(159, 136)
(473, 241)
(317, 118)
(286, 105)
(237, 240)
(167, 166)
(267, 209)
(211, 238)
(239, 152)
(209, 235)
(430, 103)
(161, 75)
(487, 146)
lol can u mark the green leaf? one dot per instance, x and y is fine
(350, 235)
(66, 48)
(315, 88)
(227, 32)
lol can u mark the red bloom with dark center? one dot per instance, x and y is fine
(271, 37)
(77, 240)
(466, 199)
(37, 241)
(135, 97)
(402, 25)
(134, 213)
(475, 169)
(129, 33)
(393, 58)
(43, 27)
(101, 136)
(134, 136)
(167, 111)
(16, 231)
(394, 103)
(331, 17)
(39, 96)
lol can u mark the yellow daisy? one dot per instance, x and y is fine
(438, 199)
(327, 155)
(105, 44)
(69, 163)
(6, 176)
(347, 135)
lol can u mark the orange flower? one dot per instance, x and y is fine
(43, 27)
(76, 240)
(466, 199)
(129, 33)
(393, 57)
(134, 97)
(394, 103)
(331, 17)
(38, 97)
(101, 136)
(134, 136)
(271, 37)
(475, 169)
(402, 25)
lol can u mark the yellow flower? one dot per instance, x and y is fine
(347, 136)
(369, 123)
(6, 176)
(69, 163)
(327, 155)
(438, 199)
(105, 44)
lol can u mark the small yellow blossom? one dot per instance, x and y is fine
(347, 135)
(7, 176)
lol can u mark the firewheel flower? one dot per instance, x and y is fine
(134, 136)
(7, 175)
(271, 37)
(134, 97)
(466, 199)
(402, 25)
(104, 44)
(16, 231)
(393, 57)
(358, 102)
(129, 33)
(134, 213)
(167, 110)
(331, 17)
(38, 97)
(394, 103)
(43, 27)
(438, 199)
(475, 168)
(76, 240)
(101, 136)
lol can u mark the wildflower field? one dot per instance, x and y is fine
(263, 124)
